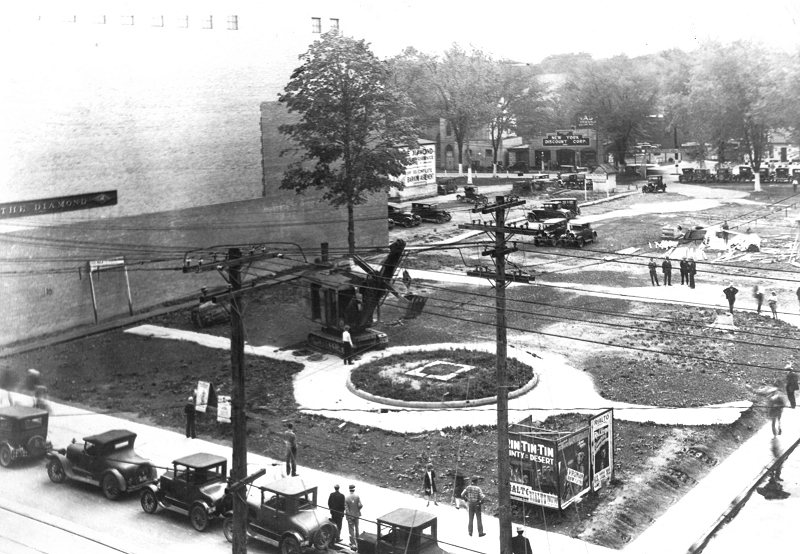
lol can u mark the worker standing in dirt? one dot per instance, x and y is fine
(666, 268)
(730, 294)
(773, 304)
(691, 270)
(725, 232)
(290, 441)
(759, 296)
(653, 274)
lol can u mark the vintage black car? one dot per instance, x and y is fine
(403, 531)
(687, 175)
(471, 196)
(403, 217)
(549, 231)
(196, 485)
(286, 513)
(23, 433)
(745, 173)
(782, 175)
(106, 460)
(655, 183)
(551, 212)
(430, 212)
(569, 204)
(447, 186)
(578, 234)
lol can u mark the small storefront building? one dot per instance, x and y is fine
(604, 178)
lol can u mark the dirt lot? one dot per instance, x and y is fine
(655, 465)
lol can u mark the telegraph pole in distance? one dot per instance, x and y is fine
(500, 281)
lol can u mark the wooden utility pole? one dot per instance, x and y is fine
(503, 459)
(232, 263)
(238, 415)
(500, 281)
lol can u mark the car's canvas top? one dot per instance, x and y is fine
(200, 460)
(110, 436)
(21, 411)
(288, 486)
(406, 517)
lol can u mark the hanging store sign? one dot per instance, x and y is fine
(565, 140)
(58, 204)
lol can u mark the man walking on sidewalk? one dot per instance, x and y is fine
(190, 413)
(336, 505)
(791, 384)
(353, 510)
(290, 440)
(474, 497)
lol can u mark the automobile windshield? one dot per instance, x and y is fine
(32, 423)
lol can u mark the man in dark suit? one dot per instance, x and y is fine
(691, 269)
(684, 272)
(520, 544)
(666, 267)
(336, 506)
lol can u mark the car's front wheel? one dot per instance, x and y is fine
(5, 455)
(407, 223)
(448, 217)
(581, 242)
(440, 219)
(198, 515)
(149, 501)
(289, 545)
(110, 486)
(227, 528)
(325, 537)
(56, 471)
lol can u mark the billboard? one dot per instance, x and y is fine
(421, 167)
(554, 469)
(533, 469)
(601, 428)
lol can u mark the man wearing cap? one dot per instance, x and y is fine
(520, 544)
(189, 410)
(353, 510)
(666, 268)
(474, 497)
(336, 505)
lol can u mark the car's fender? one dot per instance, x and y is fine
(118, 476)
(296, 535)
(60, 456)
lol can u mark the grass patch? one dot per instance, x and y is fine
(387, 377)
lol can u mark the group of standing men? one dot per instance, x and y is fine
(688, 269)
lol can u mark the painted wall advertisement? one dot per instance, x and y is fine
(421, 168)
(554, 470)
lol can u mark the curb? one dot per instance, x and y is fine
(738, 502)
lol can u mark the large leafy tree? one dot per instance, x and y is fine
(620, 94)
(516, 96)
(351, 128)
(734, 95)
(455, 87)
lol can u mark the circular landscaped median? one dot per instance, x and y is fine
(451, 377)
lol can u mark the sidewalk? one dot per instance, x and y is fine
(161, 446)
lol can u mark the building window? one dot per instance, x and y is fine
(158, 21)
(99, 19)
(208, 23)
(488, 152)
(233, 22)
(448, 129)
(183, 22)
(316, 24)
(127, 19)
(334, 24)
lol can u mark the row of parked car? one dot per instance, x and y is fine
(740, 174)
(418, 213)
(285, 511)
(556, 224)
